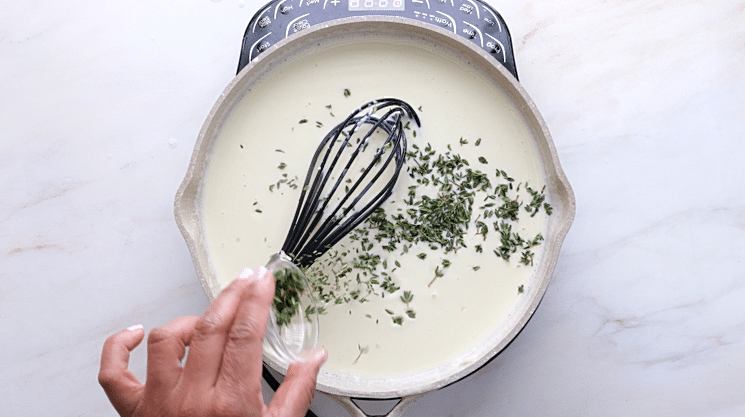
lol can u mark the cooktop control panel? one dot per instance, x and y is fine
(472, 19)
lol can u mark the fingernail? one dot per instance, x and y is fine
(246, 273)
(135, 327)
(262, 273)
(320, 354)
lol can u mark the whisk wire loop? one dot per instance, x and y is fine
(324, 235)
(321, 202)
(375, 160)
(315, 228)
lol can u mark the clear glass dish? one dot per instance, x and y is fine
(292, 330)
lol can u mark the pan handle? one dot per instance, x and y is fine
(356, 411)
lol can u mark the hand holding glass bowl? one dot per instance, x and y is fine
(222, 373)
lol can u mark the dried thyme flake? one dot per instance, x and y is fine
(363, 350)
(527, 258)
(407, 297)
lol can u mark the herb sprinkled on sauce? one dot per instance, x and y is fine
(438, 212)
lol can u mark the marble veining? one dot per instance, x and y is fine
(100, 105)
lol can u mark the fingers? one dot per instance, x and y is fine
(293, 397)
(119, 383)
(211, 333)
(166, 347)
(241, 367)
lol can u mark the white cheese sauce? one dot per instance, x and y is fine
(245, 222)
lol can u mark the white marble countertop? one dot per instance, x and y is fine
(100, 106)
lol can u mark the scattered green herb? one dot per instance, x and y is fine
(407, 297)
(438, 211)
(527, 258)
(363, 350)
(438, 274)
(537, 201)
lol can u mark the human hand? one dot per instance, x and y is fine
(222, 373)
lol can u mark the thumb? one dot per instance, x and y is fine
(293, 397)
(121, 385)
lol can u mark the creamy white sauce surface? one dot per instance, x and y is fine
(245, 223)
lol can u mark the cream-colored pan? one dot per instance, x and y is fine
(280, 57)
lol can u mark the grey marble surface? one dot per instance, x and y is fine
(100, 105)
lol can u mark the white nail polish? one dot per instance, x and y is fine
(135, 327)
(246, 273)
(321, 354)
(262, 273)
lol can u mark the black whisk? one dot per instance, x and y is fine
(327, 208)
(327, 211)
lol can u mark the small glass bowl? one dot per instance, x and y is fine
(291, 342)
